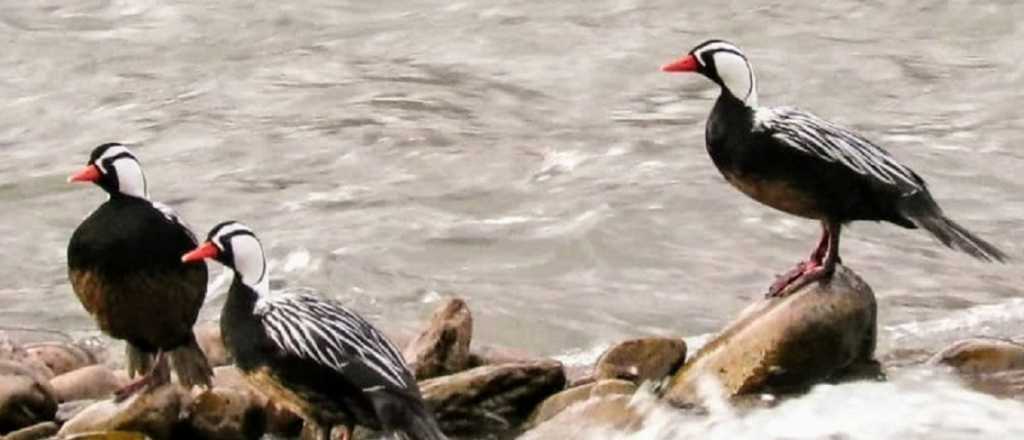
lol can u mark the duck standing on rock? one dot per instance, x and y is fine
(801, 164)
(124, 266)
(320, 359)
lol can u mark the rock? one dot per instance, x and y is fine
(154, 413)
(107, 435)
(92, 382)
(589, 420)
(492, 397)
(641, 360)
(9, 351)
(38, 431)
(224, 414)
(494, 355)
(443, 348)
(26, 397)
(61, 357)
(210, 341)
(981, 355)
(279, 420)
(780, 345)
(557, 403)
(68, 410)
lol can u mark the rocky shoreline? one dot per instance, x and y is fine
(774, 348)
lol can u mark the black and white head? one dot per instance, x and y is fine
(115, 169)
(236, 246)
(723, 63)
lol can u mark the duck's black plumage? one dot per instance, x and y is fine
(801, 164)
(124, 266)
(322, 360)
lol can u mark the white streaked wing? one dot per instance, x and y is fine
(328, 334)
(818, 137)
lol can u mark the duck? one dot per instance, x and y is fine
(804, 165)
(321, 360)
(124, 266)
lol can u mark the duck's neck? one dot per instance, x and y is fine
(240, 327)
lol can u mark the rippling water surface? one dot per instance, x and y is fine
(526, 155)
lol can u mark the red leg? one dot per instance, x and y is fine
(816, 272)
(151, 379)
(784, 280)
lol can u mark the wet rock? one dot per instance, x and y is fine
(26, 397)
(210, 341)
(640, 360)
(589, 420)
(443, 348)
(61, 357)
(224, 414)
(781, 345)
(154, 413)
(92, 382)
(38, 431)
(492, 397)
(981, 355)
(557, 403)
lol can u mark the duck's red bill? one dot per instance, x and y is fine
(88, 174)
(685, 64)
(204, 251)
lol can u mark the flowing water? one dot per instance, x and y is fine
(530, 157)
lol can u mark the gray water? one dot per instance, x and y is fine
(525, 155)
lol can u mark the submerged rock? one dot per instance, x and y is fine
(154, 413)
(981, 355)
(787, 344)
(38, 431)
(26, 397)
(492, 397)
(92, 382)
(557, 403)
(443, 348)
(640, 360)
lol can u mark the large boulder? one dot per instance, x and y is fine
(26, 397)
(92, 382)
(981, 355)
(154, 413)
(780, 345)
(589, 420)
(443, 348)
(557, 403)
(491, 397)
(641, 360)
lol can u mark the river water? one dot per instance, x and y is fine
(530, 157)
